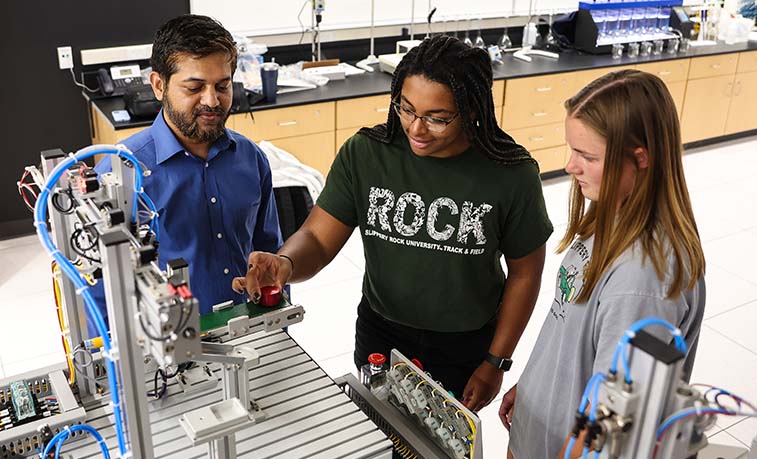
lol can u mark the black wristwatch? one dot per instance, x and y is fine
(500, 363)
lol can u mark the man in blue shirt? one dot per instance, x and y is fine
(211, 186)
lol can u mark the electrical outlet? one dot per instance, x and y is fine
(65, 58)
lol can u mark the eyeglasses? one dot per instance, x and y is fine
(432, 123)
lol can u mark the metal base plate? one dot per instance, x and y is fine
(307, 415)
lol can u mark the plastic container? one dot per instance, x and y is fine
(269, 75)
(529, 34)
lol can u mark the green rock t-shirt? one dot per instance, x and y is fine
(434, 229)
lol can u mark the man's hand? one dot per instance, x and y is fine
(507, 408)
(482, 387)
(263, 269)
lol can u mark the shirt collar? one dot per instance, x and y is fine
(167, 145)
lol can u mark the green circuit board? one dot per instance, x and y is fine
(221, 318)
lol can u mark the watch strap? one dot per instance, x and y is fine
(500, 363)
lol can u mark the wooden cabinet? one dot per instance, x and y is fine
(678, 92)
(551, 159)
(538, 137)
(668, 71)
(315, 150)
(535, 101)
(300, 130)
(747, 62)
(498, 97)
(104, 132)
(720, 65)
(742, 114)
(498, 93)
(279, 123)
(714, 96)
(365, 111)
(353, 114)
(582, 78)
(711, 107)
(674, 73)
(705, 108)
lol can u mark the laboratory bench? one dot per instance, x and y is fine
(714, 88)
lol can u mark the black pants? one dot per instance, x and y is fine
(449, 357)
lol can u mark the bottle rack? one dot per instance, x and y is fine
(599, 25)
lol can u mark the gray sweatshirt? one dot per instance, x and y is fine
(578, 340)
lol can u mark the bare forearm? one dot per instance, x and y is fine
(308, 256)
(517, 305)
(315, 244)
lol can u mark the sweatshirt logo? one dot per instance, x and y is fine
(569, 282)
(566, 278)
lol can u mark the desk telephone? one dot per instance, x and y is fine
(116, 82)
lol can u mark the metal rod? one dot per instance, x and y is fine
(312, 32)
(121, 298)
(72, 305)
(373, 11)
(412, 19)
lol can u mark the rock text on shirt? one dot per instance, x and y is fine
(471, 221)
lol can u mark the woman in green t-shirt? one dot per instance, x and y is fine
(440, 193)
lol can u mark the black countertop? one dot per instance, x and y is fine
(371, 84)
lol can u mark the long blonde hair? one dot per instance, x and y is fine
(632, 109)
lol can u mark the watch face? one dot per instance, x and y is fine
(499, 362)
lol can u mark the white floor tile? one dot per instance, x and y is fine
(744, 431)
(714, 217)
(338, 270)
(738, 325)
(495, 436)
(726, 291)
(330, 313)
(717, 164)
(721, 362)
(24, 269)
(353, 250)
(556, 196)
(723, 422)
(746, 192)
(736, 254)
(32, 363)
(724, 438)
(19, 241)
(339, 365)
(29, 328)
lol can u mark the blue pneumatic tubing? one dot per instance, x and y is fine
(641, 324)
(93, 312)
(154, 221)
(58, 440)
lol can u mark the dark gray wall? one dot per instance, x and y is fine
(40, 108)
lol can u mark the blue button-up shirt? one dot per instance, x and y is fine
(212, 212)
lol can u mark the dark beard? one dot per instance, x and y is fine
(188, 125)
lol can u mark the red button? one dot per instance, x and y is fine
(417, 363)
(270, 296)
(376, 359)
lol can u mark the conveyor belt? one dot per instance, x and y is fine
(308, 416)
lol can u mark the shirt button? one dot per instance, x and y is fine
(213, 200)
(226, 270)
(206, 164)
(219, 235)
(186, 154)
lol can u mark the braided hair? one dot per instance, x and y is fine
(467, 72)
